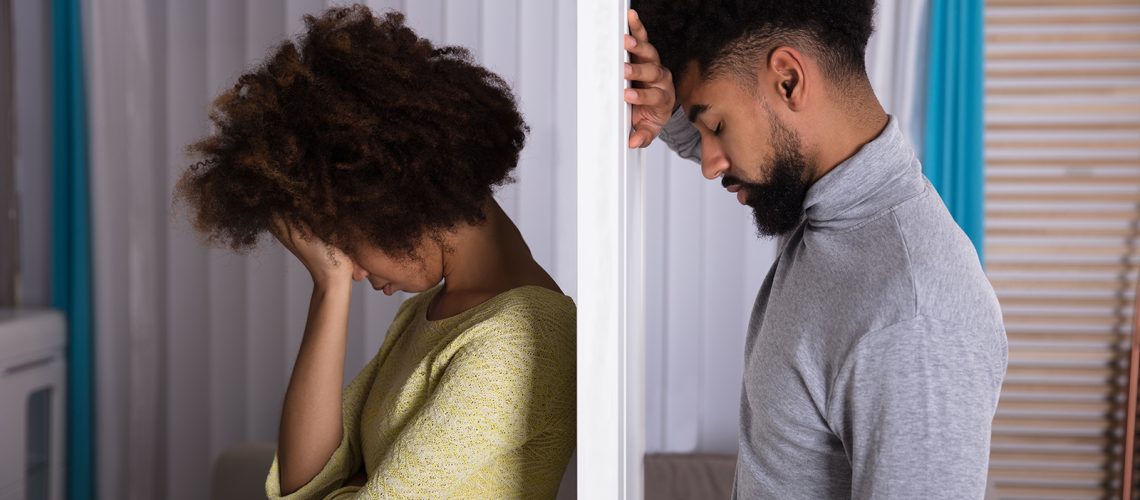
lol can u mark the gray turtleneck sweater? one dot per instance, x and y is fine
(876, 350)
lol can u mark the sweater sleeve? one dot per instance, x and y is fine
(914, 404)
(347, 458)
(682, 137)
(496, 393)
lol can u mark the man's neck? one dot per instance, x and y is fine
(854, 130)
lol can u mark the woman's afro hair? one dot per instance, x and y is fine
(361, 132)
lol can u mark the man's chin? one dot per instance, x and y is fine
(775, 221)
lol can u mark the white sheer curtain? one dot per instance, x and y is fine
(195, 345)
(896, 63)
(705, 263)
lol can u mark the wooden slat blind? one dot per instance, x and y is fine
(1063, 237)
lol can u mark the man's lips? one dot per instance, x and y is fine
(733, 185)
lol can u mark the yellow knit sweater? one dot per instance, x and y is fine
(478, 405)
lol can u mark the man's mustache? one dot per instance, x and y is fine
(729, 180)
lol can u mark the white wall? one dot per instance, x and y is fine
(705, 263)
(195, 345)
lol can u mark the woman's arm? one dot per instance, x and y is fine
(311, 423)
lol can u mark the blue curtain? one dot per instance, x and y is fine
(71, 237)
(952, 156)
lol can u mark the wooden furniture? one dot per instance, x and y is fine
(1127, 485)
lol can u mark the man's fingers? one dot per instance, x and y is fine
(646, 97)
(636, 28)
(641, 138)
(646, 72)
(641, 52)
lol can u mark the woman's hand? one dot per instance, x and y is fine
(325, 263)
(311, 417)
(652, 94)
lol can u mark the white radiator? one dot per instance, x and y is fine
(31, 404)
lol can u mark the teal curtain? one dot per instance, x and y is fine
(71, 240)
(953, 157)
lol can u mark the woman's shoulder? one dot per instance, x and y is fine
(539, 318)
(530, 307)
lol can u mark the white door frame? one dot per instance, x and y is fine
(611, 269)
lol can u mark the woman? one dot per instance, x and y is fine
(370, 154)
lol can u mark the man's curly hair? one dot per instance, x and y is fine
(360, 132)
(729, 35)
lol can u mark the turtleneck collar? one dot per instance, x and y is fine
(882, 174)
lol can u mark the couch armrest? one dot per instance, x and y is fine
(239, 473)
(684, 476)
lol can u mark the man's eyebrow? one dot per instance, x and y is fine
(696, 111)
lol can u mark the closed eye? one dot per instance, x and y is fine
(716, 131)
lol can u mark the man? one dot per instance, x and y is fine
(876, 349)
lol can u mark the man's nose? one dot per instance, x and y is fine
(713, 161)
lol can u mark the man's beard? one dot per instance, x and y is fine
(778, 203)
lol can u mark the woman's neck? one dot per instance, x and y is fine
(491, 257)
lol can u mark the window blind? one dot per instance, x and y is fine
(1062, 229)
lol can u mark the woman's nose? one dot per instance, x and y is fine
(358, 273)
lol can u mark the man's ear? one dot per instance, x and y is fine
(787, 64)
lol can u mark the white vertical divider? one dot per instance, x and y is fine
(267, 309)
(188, 345)
(611, 319)
(225, 20)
